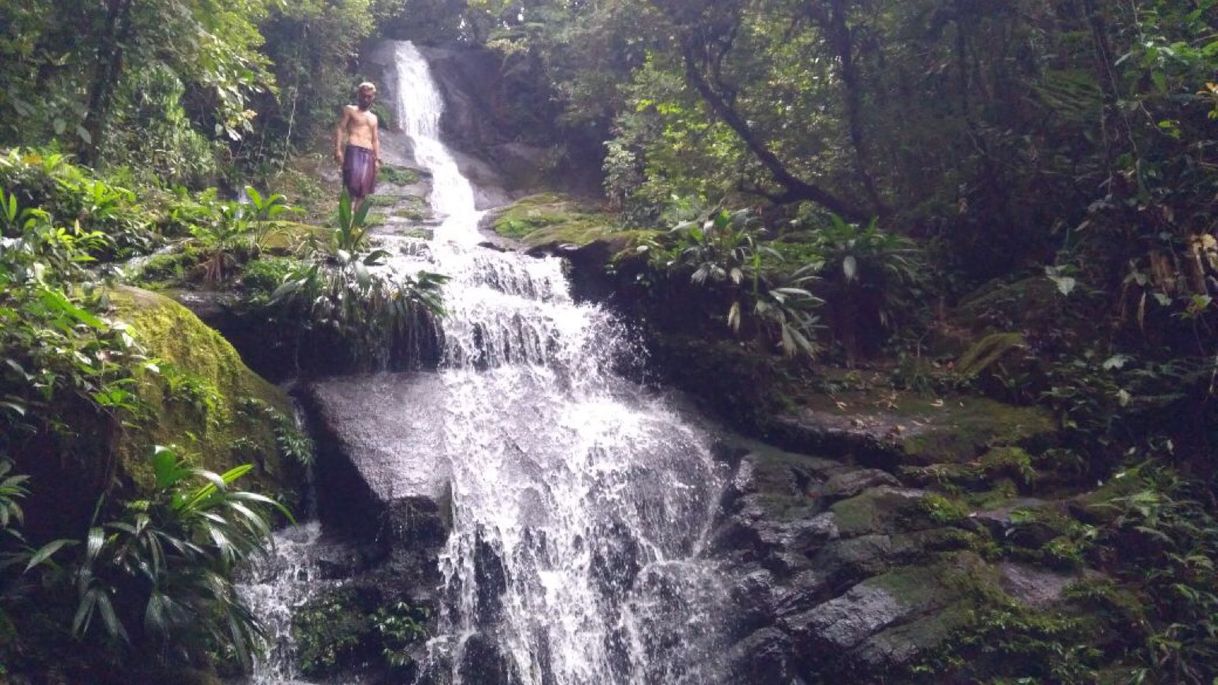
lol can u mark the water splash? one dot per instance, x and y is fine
(273, 588)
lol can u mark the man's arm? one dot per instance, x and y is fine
(376, 140)
(338, 134)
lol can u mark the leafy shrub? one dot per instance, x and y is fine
(262, 276)
(56, 346)
(69, 194)
(161, 573)
(1167, 540)
(722, 254)
(868, 279)
(341, 303)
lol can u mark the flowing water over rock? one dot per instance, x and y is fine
(580, 503)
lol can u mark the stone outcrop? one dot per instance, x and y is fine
(384, 474)
(838, 570)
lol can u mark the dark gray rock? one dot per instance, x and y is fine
(1033, 586)
(846, 621)
(882, 509)
(765, 656)
(842, 573)
(371, 484)
(900, 645)
(851, 483)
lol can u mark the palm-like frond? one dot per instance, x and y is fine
(176, 553)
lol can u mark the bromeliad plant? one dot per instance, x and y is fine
(160, 575)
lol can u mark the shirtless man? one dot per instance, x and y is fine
(362, 156)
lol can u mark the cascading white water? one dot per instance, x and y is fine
(273, 588)
(579, 501)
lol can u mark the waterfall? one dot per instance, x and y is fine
(580, 502)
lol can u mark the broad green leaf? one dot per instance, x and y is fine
(46, 551)
(849, 268)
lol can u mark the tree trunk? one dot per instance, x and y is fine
(107, 71)
(842, 40)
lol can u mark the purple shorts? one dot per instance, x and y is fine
(359, 171)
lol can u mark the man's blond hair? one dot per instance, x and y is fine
(365, 86)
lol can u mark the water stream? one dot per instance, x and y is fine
(580, 501)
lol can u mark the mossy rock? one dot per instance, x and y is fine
(201, 397)
(894, 429)
(551, 218)
(284, 237)
(411, 207)
(397, 175)
(881, 510)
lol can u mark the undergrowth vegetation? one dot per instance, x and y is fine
(152, 574)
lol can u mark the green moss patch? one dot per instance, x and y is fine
(283, 237)
(550, 218)
(200, 396)
(411, 207)
(397, 175)
(881, 510)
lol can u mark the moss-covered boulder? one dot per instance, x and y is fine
(891, 429)
(199, 395)
(554, 219)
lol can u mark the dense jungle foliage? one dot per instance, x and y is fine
(1011, 198)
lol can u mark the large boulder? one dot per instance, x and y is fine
(899, 428)
(192, 393)
(201, 397)
(381, 466)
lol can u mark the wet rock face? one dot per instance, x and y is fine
(370, 485)
(392, 502)
(838, 571)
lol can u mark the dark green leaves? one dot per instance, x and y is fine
(170, 558)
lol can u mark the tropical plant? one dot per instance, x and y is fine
(399, 626)
(364, 310)
(47, 182)
(18, 559)
(351, 235)
(228, 237)
(266, 208)
(161, 573)
(1169, 537)
(722, 253)
(54, 341)
(867, 278)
